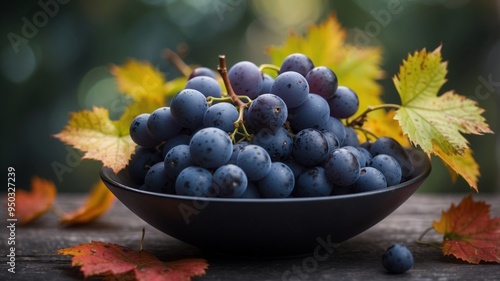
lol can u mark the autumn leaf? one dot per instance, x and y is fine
(436, 123)
(464, 163)
(97, 203)
(99, 258)
(469, 232)
(99, 137)
(32, 204)
(139, 80)
(357, 67)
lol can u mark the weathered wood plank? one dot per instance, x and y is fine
(356, 259)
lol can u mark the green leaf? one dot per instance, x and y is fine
(437, 123)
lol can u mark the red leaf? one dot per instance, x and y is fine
(112, 260)
(30, 205)
(469, 232)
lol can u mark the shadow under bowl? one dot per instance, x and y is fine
(263, 227)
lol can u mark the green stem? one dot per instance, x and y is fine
(427, 243)
(358, 121)
(269, 66)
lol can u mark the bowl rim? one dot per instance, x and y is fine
(105, 174)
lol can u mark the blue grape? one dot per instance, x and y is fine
(292, 87)
(351, 137)
(335, 126)
(295, 166)
(161, 126)
(278, 143)
(397, 258)
(268, 111)
(267, 82)
(221, 115)
(367, 155)
(278, 183)
(369, 179)
(313, 182)
(208, 86)
(313, 113)
(344, 103)
(179, 139)
(230, 181)
(389, 167)
(177, 159)
(140, 162)
(139, 131)
(252, 191)
(195, 181)
(297, 62)
(255, 162)
(188, 108)
(310, 147)
(202, 71)
(237, 148)
(359, 155)
(156, 180)
(333, 141)
(342, 167)
(322, 81)
(245, 78)
(210, 147)
(389, 146)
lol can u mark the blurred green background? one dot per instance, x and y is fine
(62, 64)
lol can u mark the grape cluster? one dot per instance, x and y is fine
(267, 137)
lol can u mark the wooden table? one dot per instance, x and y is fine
(356, 259)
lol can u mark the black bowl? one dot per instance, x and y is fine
(264, 227)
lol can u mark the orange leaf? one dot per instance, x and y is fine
(469, 232)
(112, 260)
(31, 205)
(98, 202)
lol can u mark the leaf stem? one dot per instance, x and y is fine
(177, 61)
(57, 211)
(419, 240)
(142, 239)
(358, 121)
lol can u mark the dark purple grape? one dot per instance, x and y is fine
(297, 62)
(322, 81)
(344, 103)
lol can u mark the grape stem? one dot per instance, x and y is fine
(358, 121)
(222, 68)
(177, 61)
(269, 66)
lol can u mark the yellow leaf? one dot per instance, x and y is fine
(356, 67)
(99, 137)
(386, 126)
(139, 80)
(463, 165)
(174, 86)
(30, 205)
(97, 203)
(436, 123)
